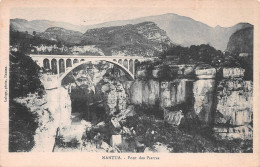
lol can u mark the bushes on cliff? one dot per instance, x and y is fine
(24, 75)
(209, 55)
(24, 41)
(24, 79)
(22, 127)
(166, 73)
(202, 53)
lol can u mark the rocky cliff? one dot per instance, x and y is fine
(140, 39)
(204, 92)
(53, 111)
(62, 35)
(234, 110)
(241, 41)
(224, 105)
(143, 39)
(154, 92)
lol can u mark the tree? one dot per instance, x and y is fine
(167, 73)
(24, 75)
(34, 33)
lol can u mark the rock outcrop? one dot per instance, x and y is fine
(114, 97)
(53, 111)
(234, 106)
(203, 92)
(154, 92)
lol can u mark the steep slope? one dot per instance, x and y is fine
(184, 30)
(180, 29)
(241, 41)
(220, 35)
(23, 25)
(141, 39)
(144, 39)
(62, 35)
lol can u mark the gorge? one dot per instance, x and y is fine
(100, 94)
(83, 92)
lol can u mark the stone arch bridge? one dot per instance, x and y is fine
(61, 65)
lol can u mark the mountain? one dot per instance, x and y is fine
(220, 35)
(62, 35)
(23, 25)
(241, 41)
(180, 29)
(185, 31)
(142, 39)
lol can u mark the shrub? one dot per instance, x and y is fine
(166, 73)
(22, 128)
(24, 75)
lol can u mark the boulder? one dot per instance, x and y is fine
(233, 72)
(116, 140)
(173, 117)
(72, 132)
(127, 130)
(126, 113)
(85, 123)
(105, 146)
(205, 73)
(101, 124)
(115, 123)
(244, 132)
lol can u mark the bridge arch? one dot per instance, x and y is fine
(46, 63)
(68, 63)
(54, 66)
(75, 61)
(63, 75)
(131, 66)
(125, 63)
(61, 66)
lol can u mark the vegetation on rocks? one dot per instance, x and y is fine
(202, 53)
(24, 75)
(24, 79)
(151, 130)
(241, 41)
(205, 55)
(22, 127)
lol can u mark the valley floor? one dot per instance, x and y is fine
(142, 133)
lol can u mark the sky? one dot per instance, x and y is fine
(222, 14)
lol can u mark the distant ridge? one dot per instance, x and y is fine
(181, 30)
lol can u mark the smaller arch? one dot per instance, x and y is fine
(136, 62)
(68, 63)
(75, 61)
(46, 63)
(54, 66)
(120, 61)
(61, 66)
(125, 63)
(131, 66)
(82, 60)
(115, 60)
